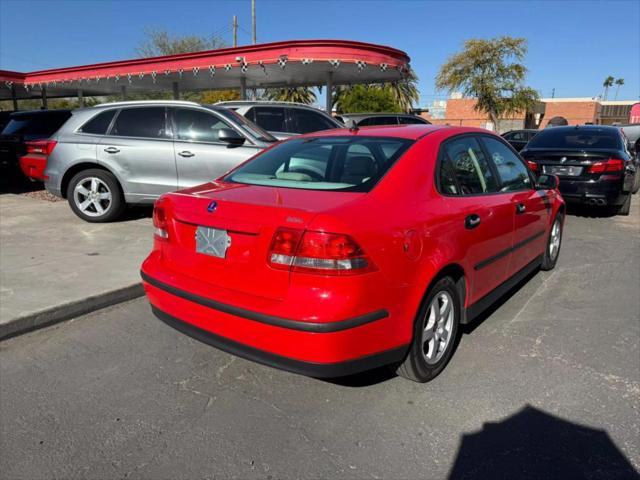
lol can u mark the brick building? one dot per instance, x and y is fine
(461, 112)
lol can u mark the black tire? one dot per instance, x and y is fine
(550, 258)
(636, 182)
(106, 184)
(625, 208)
(415, 366)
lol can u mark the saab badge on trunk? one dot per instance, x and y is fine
(212, 207)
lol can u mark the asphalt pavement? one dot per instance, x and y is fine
(547, 385)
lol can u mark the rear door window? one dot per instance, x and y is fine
(379, 120)
(99, 124)
(513, 173)
(144, 122)
(197, 126)
(412, 121)
(470, 167)
(307, 121)
(272, 119)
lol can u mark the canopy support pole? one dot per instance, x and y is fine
(329, 98)
(80, 98)
(123, 92)
(14, 97)
(44, 98)
(176, 91)
(243, 88)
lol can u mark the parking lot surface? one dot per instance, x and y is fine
(546, 386)
(54, 263)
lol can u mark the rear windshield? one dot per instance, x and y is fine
(323, 163)
(39, 124)
(575, 138)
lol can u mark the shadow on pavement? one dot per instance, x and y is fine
(533, 444)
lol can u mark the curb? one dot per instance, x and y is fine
(67, 311)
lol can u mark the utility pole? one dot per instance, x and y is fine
(235, 31)
(553, 93)
(253, 21)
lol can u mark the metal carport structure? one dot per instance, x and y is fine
(280, 64)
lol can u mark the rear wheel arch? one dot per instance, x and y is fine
(77, 168)
(458, 275)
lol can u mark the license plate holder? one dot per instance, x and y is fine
(563, 170)
(212, 241)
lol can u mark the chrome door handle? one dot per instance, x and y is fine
(111, 150)
(472, 221)
(186, 154)
(520, 208)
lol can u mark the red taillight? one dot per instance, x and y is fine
(44, 147)
(160, 221)
(317, 252)
(611, 165)
(533, 166)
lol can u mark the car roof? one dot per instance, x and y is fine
(377, 114)
(411, 132)
(31, 113)
(239, 103)
(573, 128)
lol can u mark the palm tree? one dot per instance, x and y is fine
(293, 94)
(405, 91)
(619, 83)
(608, 82)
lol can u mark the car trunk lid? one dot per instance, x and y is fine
(238, 222)
(572, 164)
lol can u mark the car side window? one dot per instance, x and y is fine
(145, 122)
(99, 124)
(307, 121)
(513, 173)
(447, 179)
(412, 121)
(470, 166)
(197, 126)
(272, 119)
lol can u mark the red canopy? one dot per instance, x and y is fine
(291, 63)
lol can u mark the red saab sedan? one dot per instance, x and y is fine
(339, 251)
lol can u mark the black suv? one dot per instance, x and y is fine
(592, 161)
(519, 138)
(27, 126)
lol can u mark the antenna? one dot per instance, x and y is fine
(253, 21)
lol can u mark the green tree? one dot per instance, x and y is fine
(492, 72)
(619, 83)
(293, 94)
(607, 84)
(365, 98)
(159, 42)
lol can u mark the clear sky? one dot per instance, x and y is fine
(573, 45)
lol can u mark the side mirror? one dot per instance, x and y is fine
(547, 182)
(230, 136)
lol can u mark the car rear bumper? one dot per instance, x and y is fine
(319, 349)
(600, 192)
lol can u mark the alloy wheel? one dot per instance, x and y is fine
(437, 327)
(92, 196)
(554, 240)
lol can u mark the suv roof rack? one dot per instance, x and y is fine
(150, 102)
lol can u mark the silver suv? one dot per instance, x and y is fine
(283, 119)
(123, 153)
